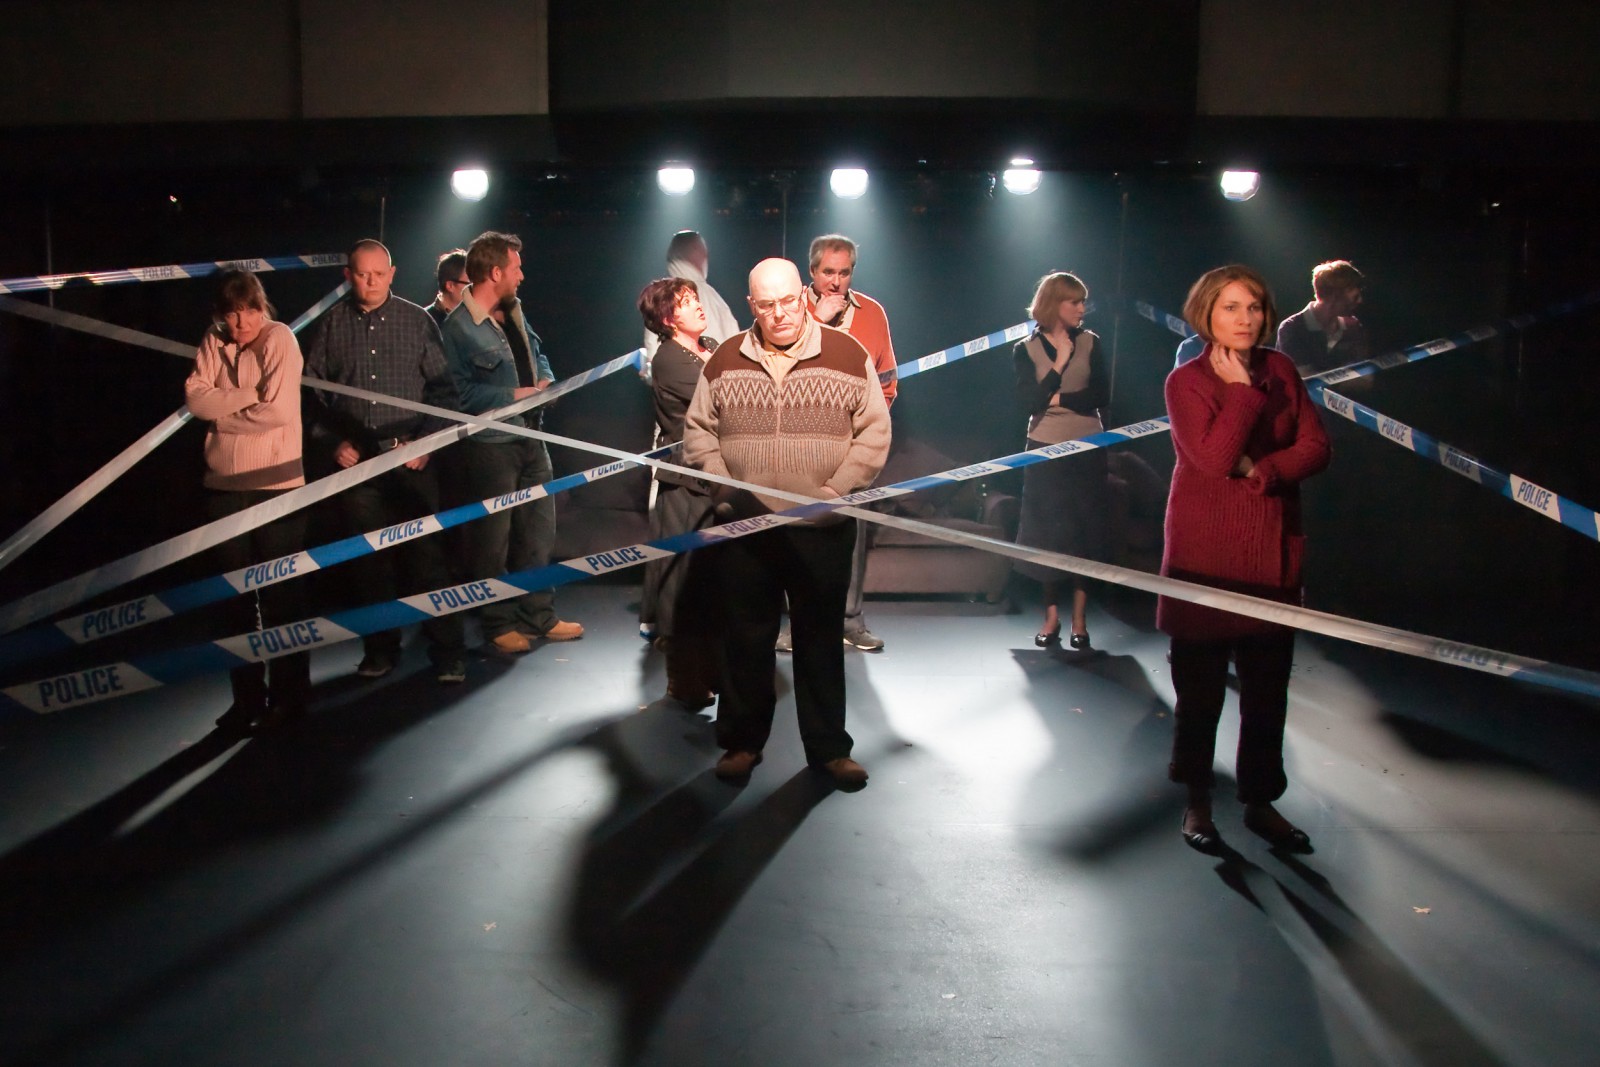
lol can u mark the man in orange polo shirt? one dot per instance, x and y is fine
(832, 301)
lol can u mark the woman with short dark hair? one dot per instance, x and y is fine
(1246, 435)
(685, 610)
(246, 384)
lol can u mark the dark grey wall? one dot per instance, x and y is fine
(66, 62)
(1127, 55)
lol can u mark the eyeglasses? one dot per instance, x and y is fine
(458, 281)
(785, 304)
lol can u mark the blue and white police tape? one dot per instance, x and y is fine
(120, 464)
(958, 352)
(97, 683)
(64, 594)
(91, 685)
(170, 272)
(1436, 347)
(1162, 318)
(1465, 339)
(1517, 489)
(91, 626)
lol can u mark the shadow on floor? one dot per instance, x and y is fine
(660, 875)
(90, 880)
(1398, 1017)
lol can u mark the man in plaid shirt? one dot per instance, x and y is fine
(382, 343)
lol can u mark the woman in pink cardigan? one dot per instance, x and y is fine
(1246, 434)
(246, 384)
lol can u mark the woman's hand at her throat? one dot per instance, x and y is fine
(1230, 364)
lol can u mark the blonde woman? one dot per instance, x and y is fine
(1061, 385)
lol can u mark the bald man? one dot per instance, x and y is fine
(795, 405)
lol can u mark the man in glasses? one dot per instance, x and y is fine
(453, 281)
(794, 405)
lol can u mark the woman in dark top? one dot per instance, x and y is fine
(1246, 435)
(1061, 384)
(684, 607)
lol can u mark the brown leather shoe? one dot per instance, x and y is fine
(846, 773)
(563, 631)
(735, 766)
(511, 642)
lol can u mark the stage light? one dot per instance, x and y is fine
(470, 184)
(1240, 184)
(675, 179)
(1022, 177)
(848, 183)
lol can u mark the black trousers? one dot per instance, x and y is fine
(286, 681)
(1200, 676)
(812, 565)
(414, 566)
(516, 539)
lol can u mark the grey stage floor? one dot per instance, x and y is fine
(537, 867)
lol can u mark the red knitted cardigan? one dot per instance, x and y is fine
(1232, 532)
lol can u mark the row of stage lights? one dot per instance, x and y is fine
(850, 183)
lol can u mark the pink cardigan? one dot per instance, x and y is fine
(251, 397)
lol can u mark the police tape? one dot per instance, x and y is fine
(312, 313)
(30, 534)
(1162, 318)
(87, 627)
(91, 487)
(1519, 490)
(957, 352)
(169, 272)
(1415, 353)
(64, 594)
(86, 686)
(84, 324)
(103, 622)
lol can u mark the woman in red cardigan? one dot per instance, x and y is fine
(1246, 434)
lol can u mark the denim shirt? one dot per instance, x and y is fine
(482, 363)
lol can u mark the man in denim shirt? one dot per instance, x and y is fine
(495, 360)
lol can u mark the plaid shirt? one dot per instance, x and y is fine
(394, 349)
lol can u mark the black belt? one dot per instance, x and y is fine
(389, 444)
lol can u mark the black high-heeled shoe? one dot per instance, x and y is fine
(1206, 839)
(1265, 822)
(1048, 638)
(1079, 642)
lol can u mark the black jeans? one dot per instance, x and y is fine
(285, 682)
(812, 565)
(414, 566)
(1200, 676)
(518, 538)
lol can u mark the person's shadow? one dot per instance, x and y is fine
(1130, 717)
(663, 870)
(99, 869)
(1399, 1018)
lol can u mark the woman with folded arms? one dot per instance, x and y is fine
(1061, 385)
(246, 384)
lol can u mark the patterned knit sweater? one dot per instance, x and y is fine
(822, 431)
(1228, 531)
